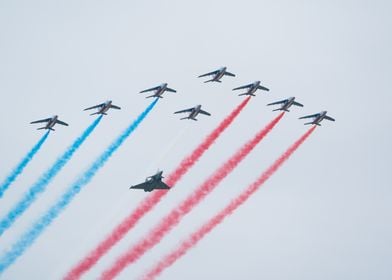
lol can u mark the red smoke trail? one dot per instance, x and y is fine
(194, 238)
(174, 217)
(147, 204)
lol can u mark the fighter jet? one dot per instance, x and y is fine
(193, 112)
(286, 104)
(218, 74)
(318, 118)
(50, 122)
(159, 90)
(103, 108)
(153, 182)
(252, 88)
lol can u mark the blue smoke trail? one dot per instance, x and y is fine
(44, 221)
(40, 186)
(22, 164)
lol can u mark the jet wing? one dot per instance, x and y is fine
(141, 186)
(297, 104)
(61, 122)
(93, 107)
(171, 90)
(184, 111)
(41, 121)
(242, 87)
(263, 88)
(208, 74)
(277, 102)
(229, 74)
(155, 186)
(204, 112)
(150, 89)
(329, 118)
(161, 186)
(310, 116)
(115, 107)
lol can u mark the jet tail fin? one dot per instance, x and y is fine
(312, 123)
(188, 118)
(212, 80)
(245, 93)
(45, 128)
(154, 95)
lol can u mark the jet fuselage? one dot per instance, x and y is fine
(320, 118)
(253, 88)
(51, 123)
(288, 104)
(161, 90)
(194, 112)
(105, 108)
(220, 74)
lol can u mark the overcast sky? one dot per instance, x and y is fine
(325, 215)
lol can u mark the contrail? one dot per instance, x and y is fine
(175, 216)
(28, 238)
(195, 237)
(22, 164)
(39, 186)
(147, 204)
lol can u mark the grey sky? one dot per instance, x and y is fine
(325, 215)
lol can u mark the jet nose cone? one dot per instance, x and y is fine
(164, 85)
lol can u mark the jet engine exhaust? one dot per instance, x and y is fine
(40, 185)
(22, 164)
(174, 217)
(39, 226)
(196, 236)
(147, 204)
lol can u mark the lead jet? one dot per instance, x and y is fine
(286, 104)
(193, 112)
(218, 74)
(159, 90)
(103, 108)
(50, 122)
(252, 88)
(153, 182)
(318, 118)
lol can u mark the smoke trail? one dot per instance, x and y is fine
(22, 164)
(28, 238)
(147, 204)
(175, 216)
(195, 237)
(39, 187)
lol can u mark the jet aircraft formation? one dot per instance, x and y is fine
(155, 182)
